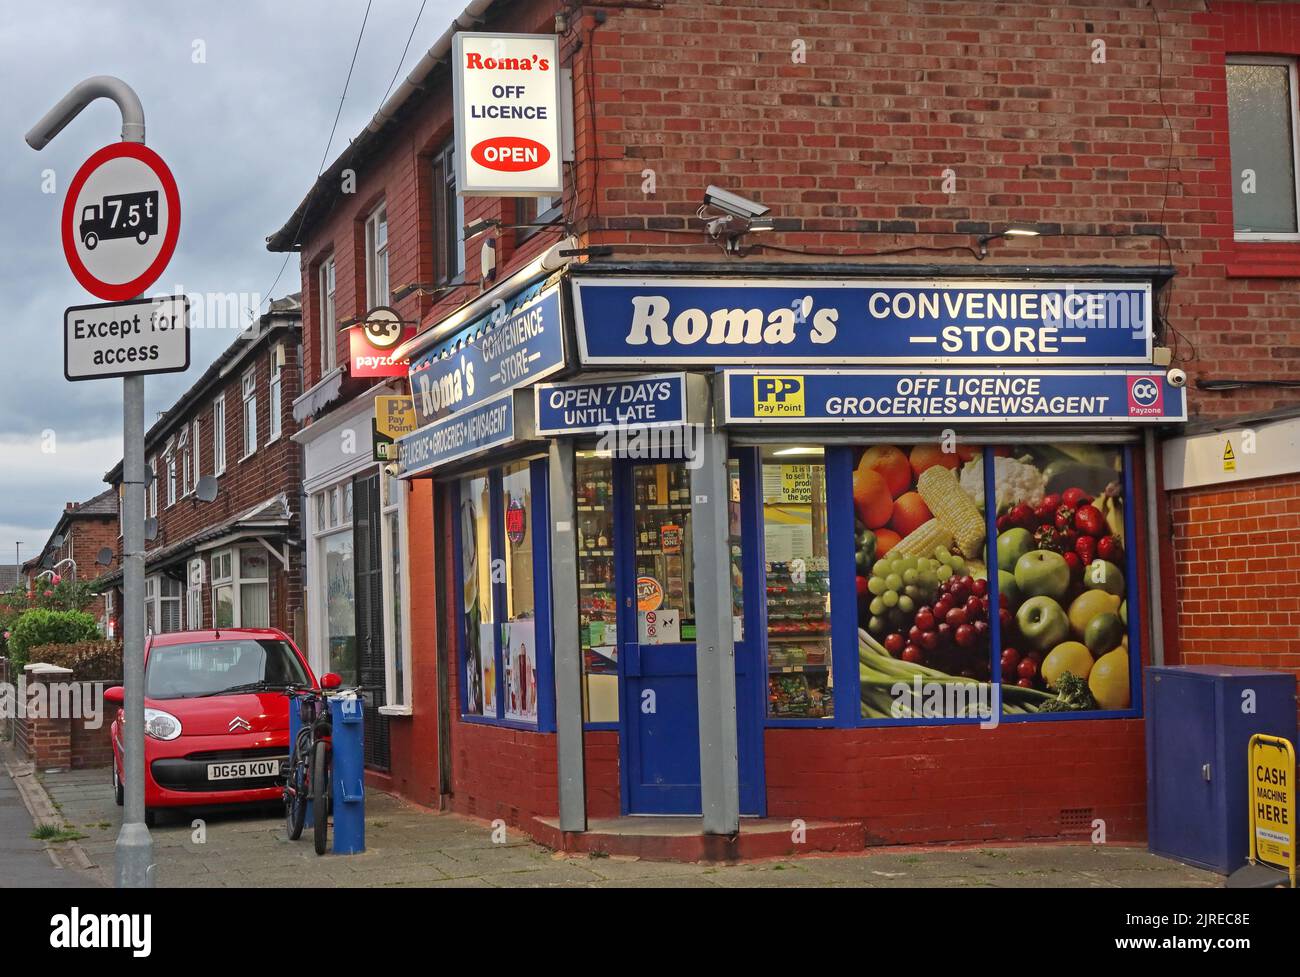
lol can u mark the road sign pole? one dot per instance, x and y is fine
(134, 864)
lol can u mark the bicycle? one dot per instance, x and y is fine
(308, 771)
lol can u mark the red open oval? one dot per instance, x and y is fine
(510, 154)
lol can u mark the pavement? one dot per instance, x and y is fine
(410, 846)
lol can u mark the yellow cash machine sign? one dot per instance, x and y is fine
(1272, 802)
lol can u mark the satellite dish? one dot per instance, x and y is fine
(151, 529)
(206, 490)
(149, 476)
(56, 543)
(104, 557)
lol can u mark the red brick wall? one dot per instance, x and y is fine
(1237, 565)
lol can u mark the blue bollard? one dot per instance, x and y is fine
(349, 774)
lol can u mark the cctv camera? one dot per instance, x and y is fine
(392, 469)
(1176, 378)
(733, 204)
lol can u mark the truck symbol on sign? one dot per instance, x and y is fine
(120, 215)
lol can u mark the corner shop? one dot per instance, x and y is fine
(607, 629)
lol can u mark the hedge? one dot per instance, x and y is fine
(43, 627)
(89, 660)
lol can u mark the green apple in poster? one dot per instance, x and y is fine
(1043, 573)
(1042, 622)
(1012, 545)
(1103, 575)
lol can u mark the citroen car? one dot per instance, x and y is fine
(216, 720)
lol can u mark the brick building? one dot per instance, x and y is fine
(932, 154)
(233, 561)
(76, 543)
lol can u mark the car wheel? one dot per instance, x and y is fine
(119, 791)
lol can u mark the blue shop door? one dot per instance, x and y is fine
(659, 726)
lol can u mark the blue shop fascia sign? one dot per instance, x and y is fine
(946, 396)
(756, 322)
(519, 342)
(486, 425)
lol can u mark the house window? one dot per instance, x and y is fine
(195, 447)
(183, 448)
(194, 596)
(1262, 127)
(328, 341)
(273, 393)
(536, 210)
(448, 218)
(219, 435)
(250, 413)
(377, 258)
(241, 588)
(169, 459)
(162, 604)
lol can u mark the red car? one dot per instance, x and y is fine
(216, 720)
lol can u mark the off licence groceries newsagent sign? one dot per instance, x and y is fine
(507, 114)
(477, 429)
(655, 401)
(877, 396)
(769, 321)
(122, 338)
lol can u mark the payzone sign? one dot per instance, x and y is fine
(507, 114)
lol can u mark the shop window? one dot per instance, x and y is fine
(397, 646)
(948, 626)
(503, 561)
(476, 597)
(597, 604)
(519, 628)
(336, 593)
(1262, 126)
(796, 537)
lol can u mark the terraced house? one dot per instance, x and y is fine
(222, 499)
(940, 316)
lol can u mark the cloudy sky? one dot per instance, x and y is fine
(239, 98)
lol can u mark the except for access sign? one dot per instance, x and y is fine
(119, 339)
(121, 219)
(930, 396)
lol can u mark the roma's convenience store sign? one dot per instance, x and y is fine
(679, 321)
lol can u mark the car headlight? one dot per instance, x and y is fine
(161, 725)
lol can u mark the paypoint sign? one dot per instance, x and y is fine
(508, 125)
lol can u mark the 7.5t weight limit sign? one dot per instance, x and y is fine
(121, 219)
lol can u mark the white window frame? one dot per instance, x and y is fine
(169, 463)
(153, 488)
(377, 280)
(236, 581)
(1293, 80)
(219, 435)
(193, 600)
(330, 515)
(391, 509)
(274, 388)
(249, 413)
(196, 446)
(327, 319)
(155, 598)
(183, 449)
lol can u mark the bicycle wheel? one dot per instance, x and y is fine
(296, 787)
(320, 801)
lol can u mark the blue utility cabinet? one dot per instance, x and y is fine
(1197, 735)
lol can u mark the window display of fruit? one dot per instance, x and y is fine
(1059, 553)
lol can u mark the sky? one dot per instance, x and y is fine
(239, 98)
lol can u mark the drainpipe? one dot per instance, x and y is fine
(1156, 622)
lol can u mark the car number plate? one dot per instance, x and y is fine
(243, 769)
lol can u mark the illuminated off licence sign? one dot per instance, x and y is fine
(781, 321)
(508, 125)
